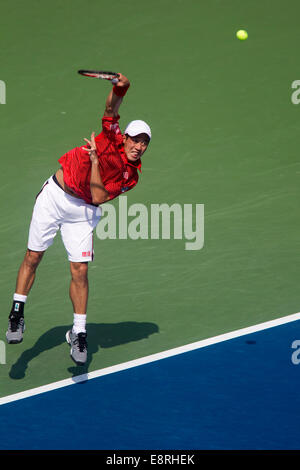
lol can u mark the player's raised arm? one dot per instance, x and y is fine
(115, 96)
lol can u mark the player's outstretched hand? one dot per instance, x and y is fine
(92, 150)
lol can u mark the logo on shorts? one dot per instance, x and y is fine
(86, 253)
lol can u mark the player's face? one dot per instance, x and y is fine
(135, 146)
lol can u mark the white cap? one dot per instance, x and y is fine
(138, 127)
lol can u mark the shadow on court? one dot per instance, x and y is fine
(103, 335)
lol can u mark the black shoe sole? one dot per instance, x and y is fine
(14, 341)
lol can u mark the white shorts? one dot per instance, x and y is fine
(56, 210)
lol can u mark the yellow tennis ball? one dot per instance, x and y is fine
(242, 35)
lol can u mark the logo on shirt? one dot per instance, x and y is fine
(115, 127)
(125, 175)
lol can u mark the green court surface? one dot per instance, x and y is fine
(225, 134)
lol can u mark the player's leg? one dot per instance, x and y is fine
(79, 288)
(26, 274)
(25, 279)
(77, 236)
(43, 228)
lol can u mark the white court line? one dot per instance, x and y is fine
(152, 358)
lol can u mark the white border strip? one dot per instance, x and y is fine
(151, 358)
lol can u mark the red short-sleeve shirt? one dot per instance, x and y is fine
(117, 173)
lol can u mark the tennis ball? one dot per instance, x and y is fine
(242, 35)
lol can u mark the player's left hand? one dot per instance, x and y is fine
(92, 150)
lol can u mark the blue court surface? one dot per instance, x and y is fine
(242, 393)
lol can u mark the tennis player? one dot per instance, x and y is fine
(70, 201)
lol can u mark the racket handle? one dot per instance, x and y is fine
(114, 81)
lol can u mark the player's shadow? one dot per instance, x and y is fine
(103, 335)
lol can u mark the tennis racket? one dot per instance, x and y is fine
(111, 76)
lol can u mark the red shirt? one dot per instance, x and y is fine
(117, 173)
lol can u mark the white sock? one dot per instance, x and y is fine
(79, 323)
(20, 298)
